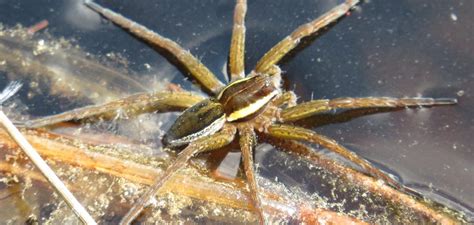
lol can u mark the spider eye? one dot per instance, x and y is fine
(205, 118)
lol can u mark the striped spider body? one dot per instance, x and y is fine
(251, 106)
(239, 101)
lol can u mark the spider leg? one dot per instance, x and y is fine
(132, 105)
(198, 70)
(311, 108)
(301, 134)
(361, 180)
(208, 143)
(247, 142)
(287, 44)
(237, 44)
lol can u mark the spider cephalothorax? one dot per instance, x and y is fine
(239, 101)
(248, 104)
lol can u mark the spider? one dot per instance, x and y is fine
(250, 107)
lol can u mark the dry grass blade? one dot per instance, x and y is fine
(46, 171)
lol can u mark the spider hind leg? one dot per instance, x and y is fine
(302, 134)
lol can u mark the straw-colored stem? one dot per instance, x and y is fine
(47, 172)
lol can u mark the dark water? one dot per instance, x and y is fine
(386, 48)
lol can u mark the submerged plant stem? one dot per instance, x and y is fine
(186, 184)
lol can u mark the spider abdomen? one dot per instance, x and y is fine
(205, 118)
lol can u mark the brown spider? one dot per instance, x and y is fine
(250, 106)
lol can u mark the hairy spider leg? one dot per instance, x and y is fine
(296, 148)
(299, 149)
(130, 106)
(207, 143)
(302, 134)
(278, 51)
(237, 44)
(314, 107)
(199, 71)
(247, 143)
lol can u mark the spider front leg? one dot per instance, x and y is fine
(237, 44)
(278, 51)
(198, 70)
(132, 105)
(207, 143)
(311, 108)
(247, 143)
(301, 134)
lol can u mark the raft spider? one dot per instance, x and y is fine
(252, 105)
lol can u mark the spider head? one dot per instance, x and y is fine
(202, 119)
